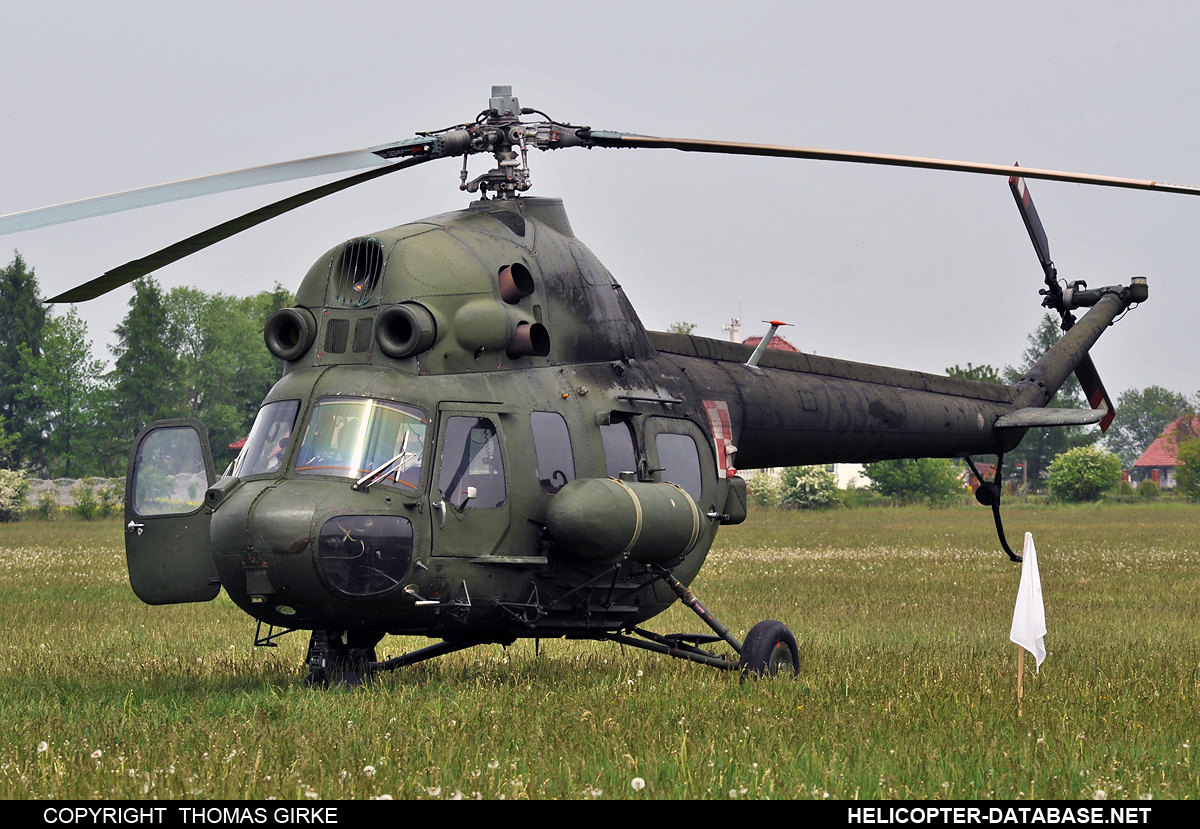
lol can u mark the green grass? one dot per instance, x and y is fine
(907, 687)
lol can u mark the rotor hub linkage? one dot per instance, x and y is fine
(497, 130)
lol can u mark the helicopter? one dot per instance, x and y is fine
(476, 440)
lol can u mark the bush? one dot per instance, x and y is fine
(1125, 489)
(764, 488)
(84, 494)
(14, 486)
(1084, 474)
(909, 481)
(1148, 489)
(47, 504)
(1187, 474)
(808, 487)
(112, 497)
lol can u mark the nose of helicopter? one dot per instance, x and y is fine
(258, 530)
(290, 552)
(266, 517)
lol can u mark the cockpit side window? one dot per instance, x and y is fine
(269, 438)
(472, 473)
(552, 443)
(620, 450)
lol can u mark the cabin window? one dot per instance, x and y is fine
(680, 462)
(351, 437)
(269, 438)
(552, 443)
(620, 452)
(472, 472)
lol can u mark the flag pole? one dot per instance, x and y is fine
(1020, 679)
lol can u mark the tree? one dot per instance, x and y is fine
(681, 327)
(808, 487)
(22, 317)
(1083, 474)
(145, 373)
(61, 385)
(1041, 446)
(224, 368)
(909, 481)
(8, 442)
(1187, 474)
(1141, 417)
(984, 373)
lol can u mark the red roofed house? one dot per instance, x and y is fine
(1158, 462)
(777, 343)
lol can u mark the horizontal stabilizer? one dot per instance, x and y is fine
(1034, 418)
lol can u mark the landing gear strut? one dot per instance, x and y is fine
(338, 657)
(770, 648)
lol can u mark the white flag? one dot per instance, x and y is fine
(1029, 617)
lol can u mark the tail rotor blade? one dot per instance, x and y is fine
(1033, 224)
(1093, 389)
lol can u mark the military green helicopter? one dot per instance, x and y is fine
(476, 440)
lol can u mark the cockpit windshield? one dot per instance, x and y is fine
(351, 438)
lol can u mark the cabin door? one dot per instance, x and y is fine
(166, 523)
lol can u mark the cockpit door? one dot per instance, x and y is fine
(470, 495)
(166, 523)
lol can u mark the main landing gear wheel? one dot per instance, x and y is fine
(769, 649)
(338, 657)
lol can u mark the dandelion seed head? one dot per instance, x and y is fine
(369, 771)
(637, 784)
(97, 754)
(43, 746)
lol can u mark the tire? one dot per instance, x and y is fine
(769, 649)
(332, 662)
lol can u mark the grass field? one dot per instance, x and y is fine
(907, 688)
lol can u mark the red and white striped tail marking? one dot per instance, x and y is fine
(722, 432)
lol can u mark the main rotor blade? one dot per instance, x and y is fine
(140, 267)
(615, 139)
(203, 186)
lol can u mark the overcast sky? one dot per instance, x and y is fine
(910, 268)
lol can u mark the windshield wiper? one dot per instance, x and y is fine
(365, 482)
